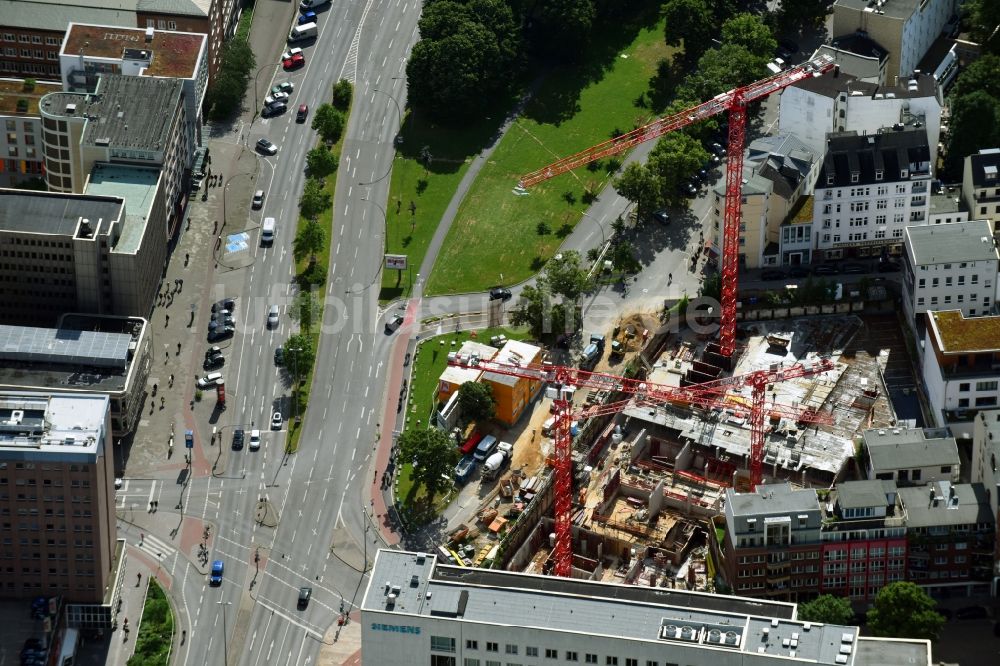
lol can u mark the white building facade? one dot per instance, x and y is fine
(981, 184)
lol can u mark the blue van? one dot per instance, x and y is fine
(216, 577)
(486, 446)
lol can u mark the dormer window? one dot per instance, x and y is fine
(829, 179)
(855, 177)
(879, 174)
(903, 173)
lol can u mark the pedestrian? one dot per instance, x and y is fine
(163, 402)
(168, 324)
(156, 505)
(180, 284)
(187, 256)
(215, 227)
(141, 537)
(178, 351)
(138, 579)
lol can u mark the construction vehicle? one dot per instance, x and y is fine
(735, 103)
(623, 336)
(592, 352)
(709, 395)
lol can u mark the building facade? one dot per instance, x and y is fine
(869, 190)
(961, 366)
(951, 267)
(981, 185)
(904, 28)
(986, 471)
(21, 159)
(417, 611)
(513, 395)
(57, 506)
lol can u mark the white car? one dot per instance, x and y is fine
(290, 53)
(276, 421)
(210, 380)
(254, 440)
(274, 98)
(118, 483)
(272, 316)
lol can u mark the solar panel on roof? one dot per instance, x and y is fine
(63, 346)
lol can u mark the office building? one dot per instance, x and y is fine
(906, 29)
(21, 141)
(57, 505)
(417, 611)
(981, 185)
(86, 354)
(98, 254)
(951, 267)
(869, 190)
(961, 367)
(131, 121)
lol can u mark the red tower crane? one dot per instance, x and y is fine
(708, 395)
(735, 103)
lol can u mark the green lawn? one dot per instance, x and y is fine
(156, 629)
(428, 185)
(572, 110)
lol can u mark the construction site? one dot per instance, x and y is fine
(650, 475)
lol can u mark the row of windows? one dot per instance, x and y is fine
(29, 67)
(33, 39)
(447, 644)
(959, 298)
(896, 233)
(39, 54)
(935, 282)
(75, 483)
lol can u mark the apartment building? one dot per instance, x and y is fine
(90, 52)
(951, 537)
(870, 188)
(57, 506)
(911, 456)
(82, 252)
(777, 171)
(85, 354)
(985, 470)
(951, 266)
(946, 208)
(981, 185)
(961, 367)
(32, 31)
(21, 159)
(418, 611)
(131, 121)
(906, 29)
(863, 540)
(838, 102)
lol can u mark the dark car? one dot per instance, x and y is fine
(212, 352)
(238, 439)
(855, 269)
(275, 109)
(788, 46)
(972, 613)
(219, 323)
(662, 216)
(825, 269)
(798, 272)
(213, 362)
(772, 274)
(225, 304)
(305, 593)
(307, 17)
(717, 149)
(690, 189)
(221, 333)
(393, 323)
(265, 146)
(279, 356)
(302, 113)
(500, 294)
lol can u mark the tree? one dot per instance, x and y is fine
(676, 157)
(751, 33)
(980, 75)
(562, 28)
(329, 122)
(984, 17)
(433, 455)
(309, 240)
(711, 287)
(315, 199)
(689, 21)
(321, 162)
(638, 184)
(904, 610)
(828, 609)
(975, 122)
(475, 399)
(545, 320)
(342, 93)
(299, 355)
(565, 275)
(306, 308)
(223, 97)
(802, 14)
(623, 258)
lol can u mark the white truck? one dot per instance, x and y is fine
(496, 462)
(300, 32)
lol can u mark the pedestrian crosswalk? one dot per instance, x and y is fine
(156, 547)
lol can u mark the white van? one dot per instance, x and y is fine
(300, 32)
(267, 231)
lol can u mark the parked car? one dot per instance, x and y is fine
(293, 59)
(717, 149)
(283, 87)
(238, 439)
(276, 420)
(275, 97)
(972, 613)
(221, 323)
(798, 272)
(258, 200)
(221, 333)
(210, 380)
(307, 17)
(265, 146)
(855, 269)
(662, 216)
(213, 351)
(772, 274)
(825, 269)
(690, 189)
(276, 109)
(225, 304)
(500, 294)
(213, 362)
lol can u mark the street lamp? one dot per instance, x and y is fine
(396, 141)
(604, 237)
(225, 632)
(256, 104)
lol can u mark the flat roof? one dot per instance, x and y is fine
(126, 112)
(774, 498)
(893, 651)
(945, 202)
(900, 448)
(952, 243)
(52, 423)
(895, 9)
(29, 344)
(55, 15)
(170, 53)
(514, 352)
(12, 91)
(862, 494)
(55, 213)
(944, 503)
(424, 587)
(954, 334)
(137, 186)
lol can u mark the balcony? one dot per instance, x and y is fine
(919, 188)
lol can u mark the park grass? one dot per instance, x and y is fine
(429, 362)
(301, 268)
(156, 630)
(572, 109)
(428, 186)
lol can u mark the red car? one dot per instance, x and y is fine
(294, 62)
